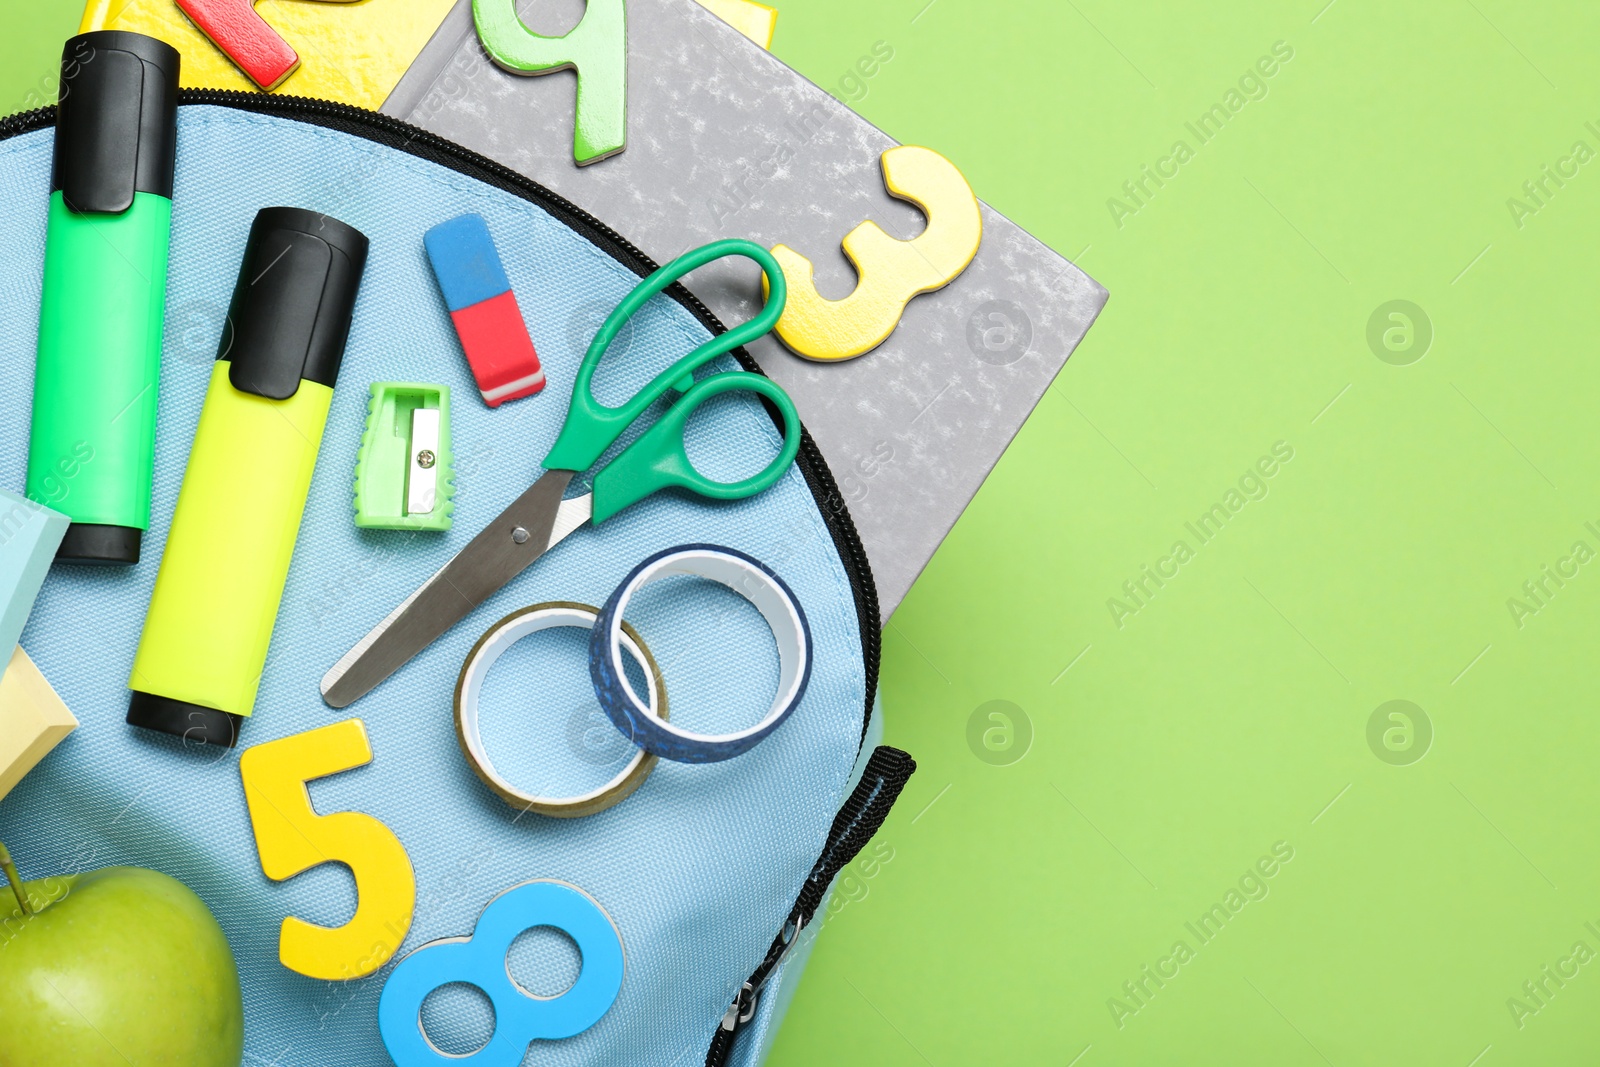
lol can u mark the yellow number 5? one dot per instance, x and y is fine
(891, 271)
(291, 837)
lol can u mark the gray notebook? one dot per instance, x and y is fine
(726, 141)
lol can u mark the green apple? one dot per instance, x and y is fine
(119, 966)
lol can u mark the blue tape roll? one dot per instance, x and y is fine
(751, 579)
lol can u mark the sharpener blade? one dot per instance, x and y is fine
(422, 479)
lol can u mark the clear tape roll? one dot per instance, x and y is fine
(469, 688)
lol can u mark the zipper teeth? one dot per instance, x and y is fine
(27, 122)
(265, 104)
(848, 538)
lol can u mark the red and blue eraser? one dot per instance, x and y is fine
(484, 309)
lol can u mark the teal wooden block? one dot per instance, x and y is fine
(29, 536)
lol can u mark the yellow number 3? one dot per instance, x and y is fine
(291, 837)
(891, 271)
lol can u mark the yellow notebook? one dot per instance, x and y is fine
(350, 52)
(755, 21)
(33, 720)
(353, 53)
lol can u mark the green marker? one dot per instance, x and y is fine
(92, 445)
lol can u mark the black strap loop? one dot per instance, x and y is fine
(888, 770)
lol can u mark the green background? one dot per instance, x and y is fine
(1227, 714)
(30, 50)
(1138, 772)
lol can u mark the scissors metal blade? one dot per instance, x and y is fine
(504, 549)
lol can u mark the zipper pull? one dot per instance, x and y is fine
(742, 1010)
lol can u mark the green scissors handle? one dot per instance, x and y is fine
(658, 459)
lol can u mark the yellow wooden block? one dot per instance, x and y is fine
(291, 837)
(891, 271)
(755, 21)
(32, 720)
(353, 53)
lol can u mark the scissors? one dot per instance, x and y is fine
(540, 519)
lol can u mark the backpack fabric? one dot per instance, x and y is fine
(702, 866)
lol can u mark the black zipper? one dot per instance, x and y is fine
(888, 768)
(882, 780)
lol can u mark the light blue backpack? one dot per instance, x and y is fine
(712, 874)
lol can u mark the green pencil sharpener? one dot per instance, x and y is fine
(404, 477)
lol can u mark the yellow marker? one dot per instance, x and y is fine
(216, 598)
(891, 271)
(227, 556)
(33, 720)
(755, 21)
(291, 837)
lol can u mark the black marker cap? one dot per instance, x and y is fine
(292, 305)
(96, 543)
(195, 724)
(117, 124)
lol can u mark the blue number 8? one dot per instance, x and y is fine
(480, 960)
